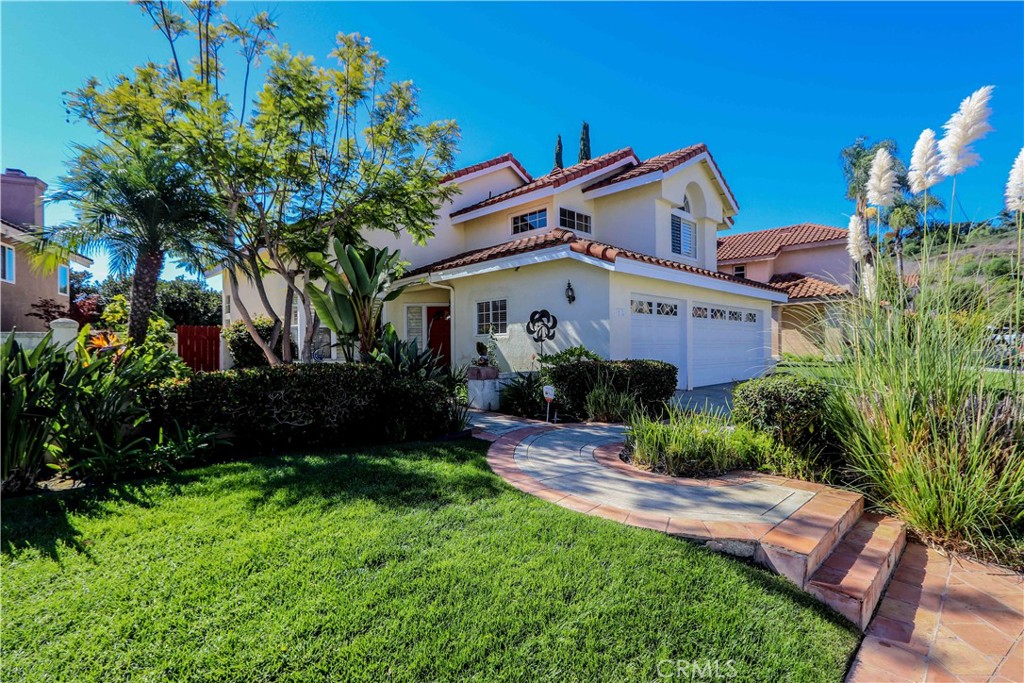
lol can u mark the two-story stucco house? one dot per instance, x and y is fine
(616, 253)
(807, 261)
(21, 284)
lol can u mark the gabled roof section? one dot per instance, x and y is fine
(657, 166)
(762, 243)
(506, 158)
(799, 286)
(558, 237)
(556, 178)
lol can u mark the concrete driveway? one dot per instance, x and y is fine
(714, 397)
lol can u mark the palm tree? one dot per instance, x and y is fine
(855, 161)
(141, 205)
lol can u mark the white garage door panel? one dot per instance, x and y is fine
(729, 343)
(657, 331)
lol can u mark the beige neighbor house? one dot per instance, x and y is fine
(616, 253)
(807, 261)
(22, 284)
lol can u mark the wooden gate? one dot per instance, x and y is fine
(199, 346)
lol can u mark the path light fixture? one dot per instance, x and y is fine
(570, 293)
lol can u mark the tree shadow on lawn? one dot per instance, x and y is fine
(400, 476)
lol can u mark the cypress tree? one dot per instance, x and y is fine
(558, 152)
(585, 142)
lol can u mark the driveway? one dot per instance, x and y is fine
(715, 397)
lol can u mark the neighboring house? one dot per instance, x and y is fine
(810, 263)
(615, 253)
(21, 283)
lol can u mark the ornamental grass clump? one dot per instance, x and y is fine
(931, 433)
(697, 444)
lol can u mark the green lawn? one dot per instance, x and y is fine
(399, 564)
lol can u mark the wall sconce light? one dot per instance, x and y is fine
(570, 293)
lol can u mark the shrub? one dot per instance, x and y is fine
(83, 410)
(569, 355)
(652, 382)
(405, 359)
(790, 407)
(523, 395)
(269, 409)
(698, 444)
(244, 351)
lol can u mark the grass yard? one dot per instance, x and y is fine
(413, 563)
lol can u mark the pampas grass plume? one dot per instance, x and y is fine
(968, 125)
(924, 163)
(882, 181)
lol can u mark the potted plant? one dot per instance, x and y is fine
(485, 365)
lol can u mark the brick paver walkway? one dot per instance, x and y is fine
(941, 618)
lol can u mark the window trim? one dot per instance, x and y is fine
(524, 214)
(64, 268)
(684, 218)
(11, 276)
(490, 314)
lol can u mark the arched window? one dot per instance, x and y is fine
(686, 204)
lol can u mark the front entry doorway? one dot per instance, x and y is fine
(439, 333)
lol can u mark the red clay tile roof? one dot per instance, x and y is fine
(770, 242)
(556, 178)
(799, 286)
(558, 237)
(461, 172)
(663, 163)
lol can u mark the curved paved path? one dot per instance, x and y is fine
(942, 618)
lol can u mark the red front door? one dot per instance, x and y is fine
(439, 332)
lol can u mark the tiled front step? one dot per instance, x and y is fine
(801, 542)
(852, 578)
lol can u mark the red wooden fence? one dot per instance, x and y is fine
(199, 346)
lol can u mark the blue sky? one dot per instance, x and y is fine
(775, 90)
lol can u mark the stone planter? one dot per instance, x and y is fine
(481, 372)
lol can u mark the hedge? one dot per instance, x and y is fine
(653, 382)
(790, 407)
(321, 404)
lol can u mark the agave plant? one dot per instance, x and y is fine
(405, 359)
(359, 283)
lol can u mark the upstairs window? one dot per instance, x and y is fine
(7, 264)
(535, 220)
(683, 242)
(686, 204)
(492, 315)
(573, 220)
(740, 271)
(63, 280)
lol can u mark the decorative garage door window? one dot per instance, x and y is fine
(642, 307)
(668, 309)
(728, 315)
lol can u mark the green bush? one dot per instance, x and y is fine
(523, 395)
(569, 355)
(244, 351)
(653, 382)
(694, 444)
(790, 407)
(84, 410)
(286, 406)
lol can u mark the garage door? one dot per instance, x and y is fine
(729, 343)
(657, 332)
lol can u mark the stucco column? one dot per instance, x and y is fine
(65, 331)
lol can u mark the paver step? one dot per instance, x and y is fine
(852, 578)
(800, 543)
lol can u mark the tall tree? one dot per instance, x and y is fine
(584, 142)
(855, 161)
(558, 152)
(320, 152)
(141, 205)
